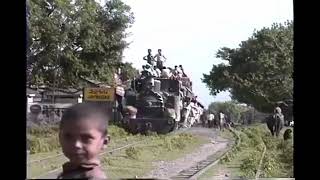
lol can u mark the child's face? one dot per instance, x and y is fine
(81, 140)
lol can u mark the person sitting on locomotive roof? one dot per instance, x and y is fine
(182, 71)
(157, 71)
(148, 70)
(175, 73)
(165, 73)
(82, 136)
(175, 70)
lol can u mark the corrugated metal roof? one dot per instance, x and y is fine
(32, 91)
(62, 93)
(49, 91)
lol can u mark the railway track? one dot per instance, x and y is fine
(261, 161)
(191, 173)
(195, 171)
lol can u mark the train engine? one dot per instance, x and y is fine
(159, 103)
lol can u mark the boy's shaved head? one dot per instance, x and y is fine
(83, 132)
(87, 111)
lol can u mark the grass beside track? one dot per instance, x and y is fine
(278, 160)
(126, 163)
(137, 161)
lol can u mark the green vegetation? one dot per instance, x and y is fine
(129, 162)
(43, 139)
(259, 72)
(227, 135)
(137, 160)
(230, 108)
(278, 160)
(133, 152)
(244, 160)
(67, 40)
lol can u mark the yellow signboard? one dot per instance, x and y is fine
(99, 94)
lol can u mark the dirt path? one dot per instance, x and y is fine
(167, 169)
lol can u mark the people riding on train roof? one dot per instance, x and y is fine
(157, 71)
(149, 58)
(182, 71)
(160, 59)
(165, 73)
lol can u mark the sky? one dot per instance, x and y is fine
(191, 32)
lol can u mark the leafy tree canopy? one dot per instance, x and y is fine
(230, 108)
(68, 39)
(259, 72)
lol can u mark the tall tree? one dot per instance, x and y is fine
(68, 39)
(259, 72)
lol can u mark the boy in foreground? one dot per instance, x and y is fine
(82, 135)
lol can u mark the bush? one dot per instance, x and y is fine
(254, 136)
(245, 141)
(271, 165)
(133, 152)
(281, 145)
(250, 164)
(179, 141)
(43, 131)
(106, 160)
(42, 138)
(271, 142)
(38, 145)
(226, 158)
(278, 160)
(287, 152)
(117, 132)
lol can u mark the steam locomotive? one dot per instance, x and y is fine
(161, 103)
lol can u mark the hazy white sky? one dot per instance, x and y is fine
(191, 32)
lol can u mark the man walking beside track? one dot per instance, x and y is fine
(221, 120)
(210, 118)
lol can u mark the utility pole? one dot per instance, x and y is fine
(53, 89)
(52, 111)
(54, 83)
(254, 113)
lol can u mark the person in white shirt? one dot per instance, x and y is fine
(148, 68)
(165, 73)
(160, 59)
(157, 71)
(221, 120)
(210, 118)
(177, 72)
